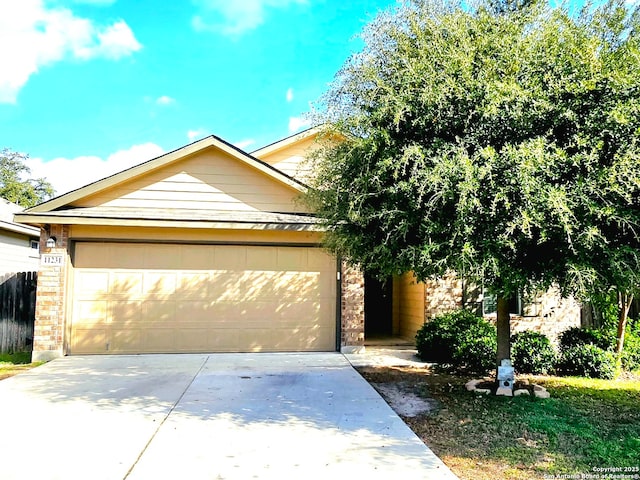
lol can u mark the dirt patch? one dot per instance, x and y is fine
(403, 398)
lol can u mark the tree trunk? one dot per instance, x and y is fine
(504, 329)
(624, 303)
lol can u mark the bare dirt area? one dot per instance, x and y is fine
(432, 404)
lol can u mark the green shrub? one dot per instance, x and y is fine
(434, 340)
(576, 336)
(459, 340)
(631, 353)
(587, 360)
(532, 352)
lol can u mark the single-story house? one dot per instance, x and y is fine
(208, 249)
(19, 243)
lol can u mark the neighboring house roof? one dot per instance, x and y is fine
(7, 212)
(86, 205)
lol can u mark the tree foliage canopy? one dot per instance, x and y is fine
(497, 140)
(13, 185)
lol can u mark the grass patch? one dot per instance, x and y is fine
(14, 363)
(586, 424)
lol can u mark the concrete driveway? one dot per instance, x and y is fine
(217, 416)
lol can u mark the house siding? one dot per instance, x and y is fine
(153, 234)
(16, 254)
(409, 295)
(291, 160)
(210, 180)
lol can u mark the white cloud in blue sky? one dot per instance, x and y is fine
(67, 174)
(42, 36)
(89, 87)
(165, 100)
(298, 123)
(196, 134)
(100, 3)
(234, 17)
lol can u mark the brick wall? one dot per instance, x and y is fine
(48, 335)
(549, 314)
(352, 306)
(441, 296)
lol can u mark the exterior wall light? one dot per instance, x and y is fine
(51, 242)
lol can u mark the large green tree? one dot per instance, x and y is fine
(496, 140)
(15, 184)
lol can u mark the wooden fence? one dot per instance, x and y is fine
(17, 311)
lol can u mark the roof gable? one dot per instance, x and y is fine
(288, 154)
(209, 179)
(207, 184)
(88, 194)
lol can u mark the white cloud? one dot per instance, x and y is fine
(243, 144)
(193, 134)
(297, 123)
(44, 35)
(101, 3)
(290, 95)
(235, 17)
(165, 100)
(66, 174)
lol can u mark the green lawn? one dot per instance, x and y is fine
(13, 363)
(586, 425)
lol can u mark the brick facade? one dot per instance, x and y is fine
(49, 327)
(548, 313)
(442, 295)
(352, 309)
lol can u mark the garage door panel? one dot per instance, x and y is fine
(92, 255)
(159, 283)
(261, 259)
(196, 257)
(126, 282)
(193, 285)
(162, 257)
(194, 311)
(292, 259)
(89, 340)
(156, 313)
(198, 298)
(317, 261)
(160, 339)
(224, 340)
(92, 282)
(125, 311)
(91, 311)
(230, 258)
(125, 340)
(120, 255)
(192, 340)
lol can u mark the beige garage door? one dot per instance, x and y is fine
(134, 298)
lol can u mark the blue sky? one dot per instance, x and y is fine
(90, 87)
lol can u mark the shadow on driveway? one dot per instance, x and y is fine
(218, 416)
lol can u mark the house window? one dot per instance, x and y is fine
(490, 303)
(35, 244)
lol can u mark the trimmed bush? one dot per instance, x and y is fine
(576, 336)
(532, 352)
(587, 360)
(459, 340)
